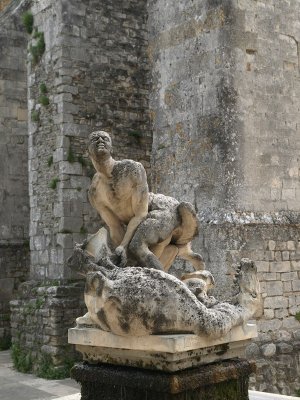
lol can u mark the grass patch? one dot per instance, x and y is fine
(82, 160)
(83, 230)
(50, 161)
(43, 88)
(44, 100)
(53, 183)
(47, 370)
(297, 316)
(71, 157)
(35, 116)
(21, 359)
(38, 49)
(27, 19)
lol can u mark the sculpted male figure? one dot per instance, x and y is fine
(154, 227)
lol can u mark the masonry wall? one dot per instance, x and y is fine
(225, 92)
(14, 200)
(96, 75)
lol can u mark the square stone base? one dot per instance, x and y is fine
(226, 380)
(160, 352)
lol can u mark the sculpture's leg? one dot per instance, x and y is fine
(168, 256)
(186, 253)
(150, 234)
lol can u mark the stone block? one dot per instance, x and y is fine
(295, 265)
(284, 266)
(268, 350)
(70, 224)
(290, 323)
(291, 245)
(285, 255)
(70, 168)
(269, 325)
(288, 276)
(6, 288)
(274, 288)
(296, 285)
(262, 266)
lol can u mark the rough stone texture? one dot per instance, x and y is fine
(40, 319)
(14, 200)
(226, 380)
(14, 269)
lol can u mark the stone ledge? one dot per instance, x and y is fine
(159, 343)
(168, 353)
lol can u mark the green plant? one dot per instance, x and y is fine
(83, 230)
(47, 370)
(82, 160)
(27, 19)
(297, 316)
(136, 134)
(5, 342)
(44, 100)
(35, 116)
(53, 183)
(22, 361)
(43, 88)
(38, 49)
(39, 303)
(71, 157)
(50, 161)
(297, 392)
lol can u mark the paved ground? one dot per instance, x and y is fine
(17, 386)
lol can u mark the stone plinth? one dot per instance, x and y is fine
(227, 380)
(160, 352)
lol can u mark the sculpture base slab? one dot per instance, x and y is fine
(226, 380)
(160, 352)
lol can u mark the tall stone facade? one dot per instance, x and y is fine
(226, 138)
(216, 85)
(14, 199)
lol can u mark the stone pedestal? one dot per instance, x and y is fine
(226, 380)
(168, 353)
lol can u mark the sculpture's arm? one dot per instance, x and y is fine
(115, 226)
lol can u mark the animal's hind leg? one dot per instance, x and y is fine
(186, 253)
(150, 234)
(168, 256)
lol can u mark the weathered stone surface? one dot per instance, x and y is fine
(213, 382)
(269, 350)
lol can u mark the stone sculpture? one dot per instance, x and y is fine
(143, 299)
(153, 227)
(138, 301)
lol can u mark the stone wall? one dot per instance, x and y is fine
(96, 77)
(225, 138)
(40, 319)
(14, 201)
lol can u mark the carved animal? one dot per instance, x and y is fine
(141, 301)
(154, 227)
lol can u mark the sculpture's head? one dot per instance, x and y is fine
(100, 145)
